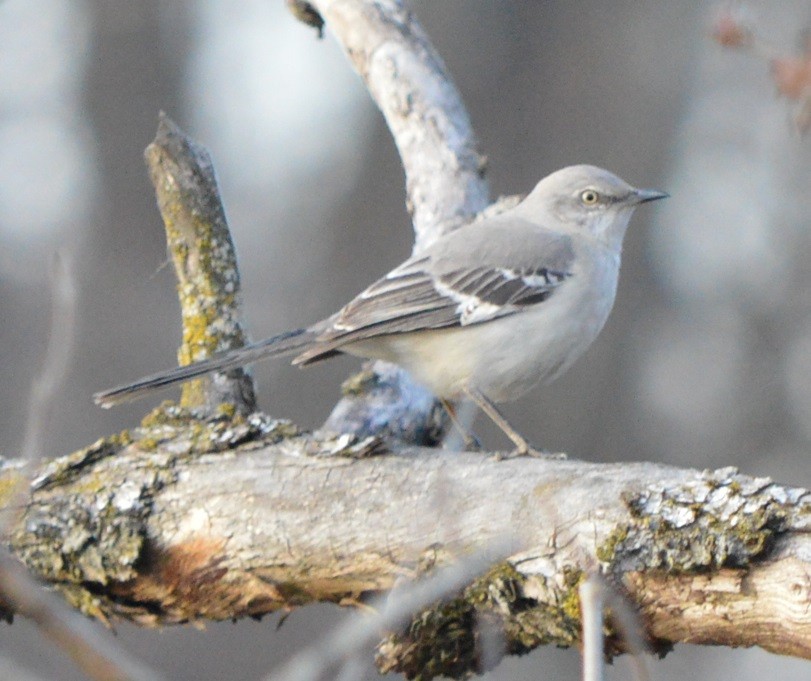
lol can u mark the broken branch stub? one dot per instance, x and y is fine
(204, 259)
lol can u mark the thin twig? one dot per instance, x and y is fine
(57, 355)
(628, 624)
(93, 650)
(44, 386)
(591, 611)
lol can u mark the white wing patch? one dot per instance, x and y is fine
(542, 279)
(482, 294)
(469, 308)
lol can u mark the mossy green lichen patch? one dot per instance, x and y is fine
(12, 482)
(91, 534)
(190, 433)
(62, 470)
(447, 639)
(85, 523)
(721, 520)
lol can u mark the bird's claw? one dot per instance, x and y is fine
(472, 444)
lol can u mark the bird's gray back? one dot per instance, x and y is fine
(504, 241)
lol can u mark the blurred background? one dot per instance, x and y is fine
(705, 362)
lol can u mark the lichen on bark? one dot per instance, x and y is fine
(455, 637)
(722, 519)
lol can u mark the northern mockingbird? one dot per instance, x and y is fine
(487, 311)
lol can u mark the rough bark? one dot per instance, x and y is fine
(185, 520)
(204, 260)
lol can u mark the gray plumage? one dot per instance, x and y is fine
(488, 310)
(452, 285)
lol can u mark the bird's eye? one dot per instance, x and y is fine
(589, 197)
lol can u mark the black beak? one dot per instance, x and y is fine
(645, 195)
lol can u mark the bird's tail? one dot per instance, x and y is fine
(283, 344)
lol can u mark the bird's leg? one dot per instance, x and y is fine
(522, 447)
(469, 440)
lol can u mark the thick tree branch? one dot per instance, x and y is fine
(407, 79)
(268, 520)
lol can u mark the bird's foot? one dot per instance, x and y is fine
(472, 443)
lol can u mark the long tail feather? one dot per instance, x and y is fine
(283, 344)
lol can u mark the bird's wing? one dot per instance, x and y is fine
(451, 285)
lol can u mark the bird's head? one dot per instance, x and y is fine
(585, 198)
